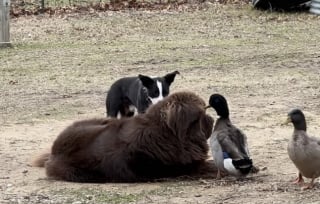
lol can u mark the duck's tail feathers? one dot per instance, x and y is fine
(40, 160)
(243, 165)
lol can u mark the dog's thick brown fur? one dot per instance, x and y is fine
(169, 140)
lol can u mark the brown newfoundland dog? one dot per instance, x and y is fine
(169, 140)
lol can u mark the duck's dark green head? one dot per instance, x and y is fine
(296, 116)
(219, 103)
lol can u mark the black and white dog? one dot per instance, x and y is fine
(130, 95)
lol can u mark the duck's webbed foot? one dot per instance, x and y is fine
(299, 180)
(309, 185)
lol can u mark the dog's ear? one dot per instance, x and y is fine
(146, 81)
(180, 117)
(169, 78)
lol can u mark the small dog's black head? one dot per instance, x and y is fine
(157, 87)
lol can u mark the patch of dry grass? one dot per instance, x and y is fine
(61, 67)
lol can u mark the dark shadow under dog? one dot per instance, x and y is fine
(168, 141)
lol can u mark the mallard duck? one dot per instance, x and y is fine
(303, 150)
(228, 143)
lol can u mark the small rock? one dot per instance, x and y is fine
(11, 82)
(204, 181)
(198, 195)
(66, 96)
(25, 171)
(89, 197)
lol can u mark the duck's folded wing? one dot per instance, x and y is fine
(240, 140)
(313, 149)
(230, 146)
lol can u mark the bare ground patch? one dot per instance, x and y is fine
(60, 70)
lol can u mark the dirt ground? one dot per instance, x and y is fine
(60, 68)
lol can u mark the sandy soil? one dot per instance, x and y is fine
(61, 67)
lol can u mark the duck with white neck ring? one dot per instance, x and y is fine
(228, 143)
